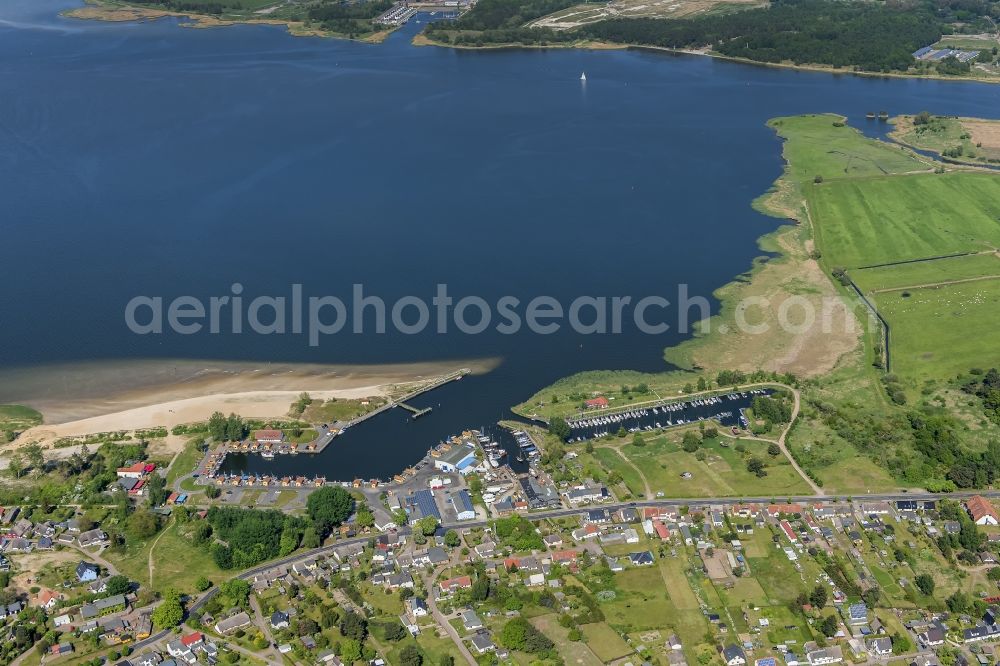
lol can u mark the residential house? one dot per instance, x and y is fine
(982, 511)
(279, 620)
(828, 655)
(450, 585)
(416, 607)
(482, 643)
(733, 655)
(880, 647)
(470, 620)
(91, 538)
(106, 606)
(233, 623)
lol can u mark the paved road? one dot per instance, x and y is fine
(560, 513)
(441, 619)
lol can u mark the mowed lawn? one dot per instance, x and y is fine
(817, 147)
(927, 272)
(722, 473)
(605, 641)
(882, 220)
(940, 331)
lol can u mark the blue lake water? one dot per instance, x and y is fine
(149, 159)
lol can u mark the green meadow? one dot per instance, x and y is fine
(927, 272)
(891, 219)
(817, 146)
(941, 331)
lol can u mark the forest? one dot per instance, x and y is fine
(866, 36)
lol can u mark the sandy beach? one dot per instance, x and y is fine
(93, 397)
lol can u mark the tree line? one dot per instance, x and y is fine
(868, 36)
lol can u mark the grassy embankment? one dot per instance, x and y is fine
(857, 202)
(15, 419)
(218, 13)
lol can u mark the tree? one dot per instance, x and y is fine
(400, 518)
(118, 585)
(925, 583)
(35, 456)
(310, 539)
(394, 631)
(901, 643)
(481, 588)
(410, 656)
(142, 524)
(639, 440)
(756, 466)
(365, 518)
(993, 574)
(238, 591)
(328, 507)
(350, 651)
(16, 465)
(773, 449)
(519, 634)
(691, 442)
(427, 525)
(202, 584)
(354, 626)
(559, 428)
(170, 612)
(818, 596)
(451, 539)
(829, 626)
(446, 660)
(959, 602)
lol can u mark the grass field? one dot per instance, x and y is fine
(176, 563)
(610, 460)
(722, 473)
(574, 652)
(940, 331)
(186, 461)
(605, 642)
(927, 272)
(819, 148)
(335, 409)
(882, 220)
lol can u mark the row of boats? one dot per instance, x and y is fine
(266, 481)
(495, 453)
(528, 452)
(668, 408)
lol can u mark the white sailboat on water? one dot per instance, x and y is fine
(583, 76)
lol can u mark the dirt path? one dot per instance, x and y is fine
(781, 443)
(152, 549)
(784, 449)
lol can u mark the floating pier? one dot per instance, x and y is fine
(417, 413)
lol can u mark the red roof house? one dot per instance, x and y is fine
(982, 512)
(453, 584)
(600, 402)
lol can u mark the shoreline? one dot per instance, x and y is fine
(101, 11)
(96, 10)
(74, 392)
